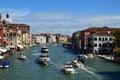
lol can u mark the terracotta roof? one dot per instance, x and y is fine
(94, 29)
(103, 33)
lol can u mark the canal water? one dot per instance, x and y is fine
(30, 69)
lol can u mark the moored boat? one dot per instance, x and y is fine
(5, 64)
(22, 57)
(90, 55)
(67, 45)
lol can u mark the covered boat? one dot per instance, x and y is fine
(44, 49)
(5, 64)
(44, 59)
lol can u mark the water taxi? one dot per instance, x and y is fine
(77, 64)
(82, 58)
(44, 59)
(68, 68)
(44, 49)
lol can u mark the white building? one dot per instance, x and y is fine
(41, 39)
(12, 38)
(100, 42)
(52, 39)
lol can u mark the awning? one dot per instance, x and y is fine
(2, 57)
(3, 50)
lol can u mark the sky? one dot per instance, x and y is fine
(62, 16)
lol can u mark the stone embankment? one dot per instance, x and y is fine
(109, 58)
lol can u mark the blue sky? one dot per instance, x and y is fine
(62, 16)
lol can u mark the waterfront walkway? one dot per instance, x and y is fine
(109, 58)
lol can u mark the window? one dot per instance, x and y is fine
(4, 34)
(95, 45)
(106, 39)
(89, 39)
(99, 39)
(100, 51)
(110, 39)
(104, 45)
(14, 34)
(102, 39)
(100, 45)
(10, 35)
(95, 39)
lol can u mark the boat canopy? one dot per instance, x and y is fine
(3, 50)
(20, 46)
(2, 57)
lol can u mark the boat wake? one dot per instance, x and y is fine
(91, 69)
(88, 71)
(36, 54)
(92, 72)
(34, 51)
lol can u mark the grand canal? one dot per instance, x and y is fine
(30, 69)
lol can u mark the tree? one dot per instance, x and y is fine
(117, 38)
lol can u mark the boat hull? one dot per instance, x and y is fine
(5, 64)
(69, 71)
(77, 64)
(68, 68)
(45, 61)
(22, 57)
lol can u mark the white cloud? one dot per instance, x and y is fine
(15, 13)
(66, 23)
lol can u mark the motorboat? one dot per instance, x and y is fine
(44, 59)
(5, 64)
(68, 68)
(67, 45)
(22, 57)
(44, 49)
(77, 64)
(90, 55)
(82, 58)
(2, 57)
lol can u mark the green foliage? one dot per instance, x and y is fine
(117, 52)
(117, 37)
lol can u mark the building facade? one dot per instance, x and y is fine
(83, 41)
(41, 39)
(100, 42)
(14, 34)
